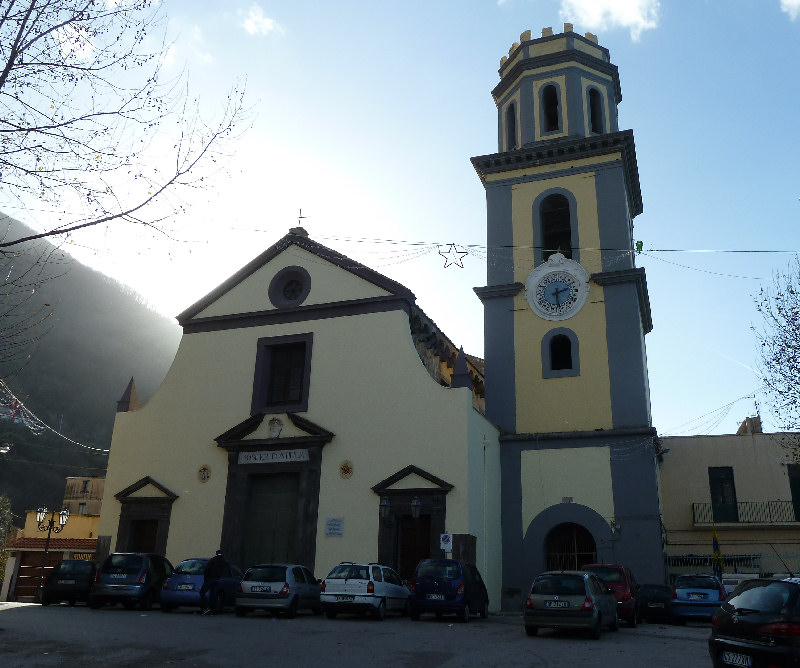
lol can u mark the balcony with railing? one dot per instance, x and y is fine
(745, 512)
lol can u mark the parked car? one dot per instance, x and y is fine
(654, 602)
(759, 625)
(696, 597)
(447, 586)
(70, 580)
(570, 600)
(130, 578)
(732, 580)
(366, 588)
(182, 588)
(625, 587)
(283, 588)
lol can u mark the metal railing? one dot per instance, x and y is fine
(745, 512)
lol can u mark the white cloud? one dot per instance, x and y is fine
(634, 15)
(256, 23)
(791, 7)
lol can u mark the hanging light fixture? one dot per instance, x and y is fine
(384, 507)
(416, 506)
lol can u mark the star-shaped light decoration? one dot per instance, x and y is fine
(453, 256)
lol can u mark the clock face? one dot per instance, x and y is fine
(557, 289)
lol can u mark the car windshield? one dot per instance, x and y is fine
(438, 569)
(266, 574)
(191, 567)
(764, 596)
(696, 582)
(561, 585)
(129, 564)
(75, 568)
(606, 574)
(349, 572)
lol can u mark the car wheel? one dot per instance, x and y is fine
(464, 614)
(240, 612)
(146, 602)
(531, 630)
(291, 611)
(614, 626)
(485, 609)
(405, 609)
(380, 611)
(595, 632)
(45, 600)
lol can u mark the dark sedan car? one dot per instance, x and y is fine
(447, 586)
(182, 588)
(759, 625)
(70, 580)
(654, 602)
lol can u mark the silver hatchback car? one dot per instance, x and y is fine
(284, 588)
(570, 600)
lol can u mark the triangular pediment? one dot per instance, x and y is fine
(412, 478)
(146, 488)
(264, 429)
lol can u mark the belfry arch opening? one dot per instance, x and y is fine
(556, 227)
(569, 546)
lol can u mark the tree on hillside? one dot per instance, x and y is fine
(5, 524)
(83, 110)
(779, 344)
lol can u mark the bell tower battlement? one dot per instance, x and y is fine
(555, 87)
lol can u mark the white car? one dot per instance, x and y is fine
(363, 588)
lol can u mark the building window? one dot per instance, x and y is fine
(556, 226)
(723, 494)
(794, 487)
(85, 487)
(511, 127)
(289, 287)
(282, 374)
(595, 112)
(81, 509)
(560, 354)
(550, 108)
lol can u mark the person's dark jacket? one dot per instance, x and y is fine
(215, 568)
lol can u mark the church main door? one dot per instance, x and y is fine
(569, 546)
(270, 532)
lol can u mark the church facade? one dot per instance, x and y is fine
(313, 413)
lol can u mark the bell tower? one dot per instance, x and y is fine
(566, 312)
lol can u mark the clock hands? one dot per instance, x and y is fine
(558, 292)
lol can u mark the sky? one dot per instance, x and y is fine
(365, 116)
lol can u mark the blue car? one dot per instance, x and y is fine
(182, 588)
(696, 597)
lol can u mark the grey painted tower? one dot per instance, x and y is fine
(565, 316)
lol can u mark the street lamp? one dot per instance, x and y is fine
(50, 527)
(416, 506)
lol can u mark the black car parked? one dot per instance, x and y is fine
(446, 586)
(654, 602)
(131, 578)
(70, 580)
(758, 625)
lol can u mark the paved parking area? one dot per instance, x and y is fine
(32, 635)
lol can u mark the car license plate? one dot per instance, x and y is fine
(187, 585)
(435, 597)
(734, 659)
(655, 604)
(556, 604)
(118, 575)
(345, 599)
(66, 582)
(264, 588)
(696, 597)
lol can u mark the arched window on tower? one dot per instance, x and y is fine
(556, 228)
(550, 104)
(560, 358)
(595, 112)
(511, 127)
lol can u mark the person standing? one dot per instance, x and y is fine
(213, 571)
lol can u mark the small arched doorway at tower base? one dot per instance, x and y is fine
(568, 546)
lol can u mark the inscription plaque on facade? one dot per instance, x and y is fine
(273, 456)
(334, 526)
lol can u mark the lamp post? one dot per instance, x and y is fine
(50, 527)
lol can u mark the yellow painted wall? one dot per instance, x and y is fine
(550, 475)
(560, 404)
(78, 526)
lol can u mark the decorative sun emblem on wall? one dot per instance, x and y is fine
(204, 473)
(346, 469)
